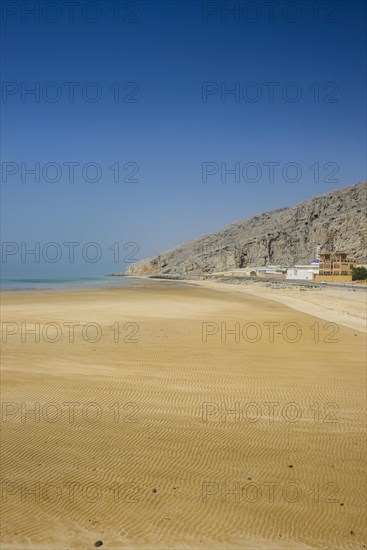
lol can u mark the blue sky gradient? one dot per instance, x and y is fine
(169, 52)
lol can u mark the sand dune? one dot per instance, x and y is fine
(174, 441)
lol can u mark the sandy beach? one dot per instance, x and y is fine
(183, 416)
(346, 307)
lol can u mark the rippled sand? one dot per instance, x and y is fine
(153, 438)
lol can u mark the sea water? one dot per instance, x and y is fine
(10, 284)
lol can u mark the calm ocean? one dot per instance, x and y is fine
(11, 284)
(69, 283)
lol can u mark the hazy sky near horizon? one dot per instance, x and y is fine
(158, 103)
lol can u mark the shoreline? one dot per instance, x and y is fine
(344, 305)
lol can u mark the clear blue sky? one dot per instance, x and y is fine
(168, 51)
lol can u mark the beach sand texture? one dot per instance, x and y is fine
(156, 461)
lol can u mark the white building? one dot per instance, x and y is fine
(303, 272)
(260, 271)
(270, 270)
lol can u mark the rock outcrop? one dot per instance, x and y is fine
(336, 221)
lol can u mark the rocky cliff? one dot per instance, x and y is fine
(336, 220)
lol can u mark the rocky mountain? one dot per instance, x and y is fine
(336, 221)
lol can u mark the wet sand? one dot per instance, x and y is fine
(170, 431)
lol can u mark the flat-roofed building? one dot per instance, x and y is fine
(336, 264)
(271, 272)
(303, 272)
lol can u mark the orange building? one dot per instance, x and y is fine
(336, 264)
